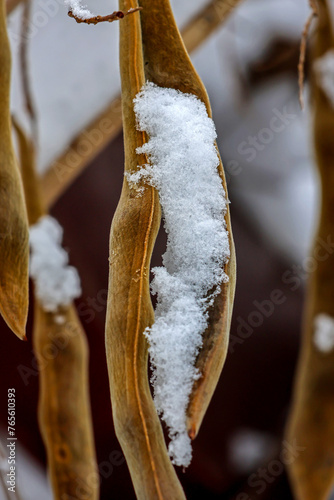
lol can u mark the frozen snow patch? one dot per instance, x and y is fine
(324, 68)
(80, 11)
(56, 283)
(324, 333)
(183, 167)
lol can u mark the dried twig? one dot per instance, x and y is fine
(213, 15)
(24, 50)
(11, 5)
(115, 16)
(303, 46)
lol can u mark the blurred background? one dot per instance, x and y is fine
(249, 67)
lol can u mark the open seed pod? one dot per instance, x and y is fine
(151, 49)
(167, 64)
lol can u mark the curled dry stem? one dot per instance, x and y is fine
(115, 16)
(303, 47)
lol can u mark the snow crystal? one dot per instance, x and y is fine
(56, 283)
(183, 167)
(324, 68)
(77, 9)
(324, 333)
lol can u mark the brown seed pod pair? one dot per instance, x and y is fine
(151, 48)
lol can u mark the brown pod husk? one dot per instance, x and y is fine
(14, 235)
(167, 64)
(129, 312)
(61, 350)
(311, 420)
(64, 408)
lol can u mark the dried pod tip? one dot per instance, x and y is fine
(192, 433)
(13, 312)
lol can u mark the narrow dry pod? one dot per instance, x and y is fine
(64, 409)
(311, 420)
(167, 64)
(310, 427)
(14, 236)
(129, 312)
(61, 350)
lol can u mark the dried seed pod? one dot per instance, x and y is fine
(311, 420)
(133, 233)
(14, 237)
(64, 409)
(62, 353)
(167, 64)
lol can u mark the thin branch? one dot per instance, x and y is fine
(24, 62)
(115, 16)
(11, 5)
(303, 46)
(201, 26)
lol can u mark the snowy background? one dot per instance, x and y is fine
(249, 69)
(75, 75)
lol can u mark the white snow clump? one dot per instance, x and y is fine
(324, 68)
(78, 10)
(56, 283)
(324, 333)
